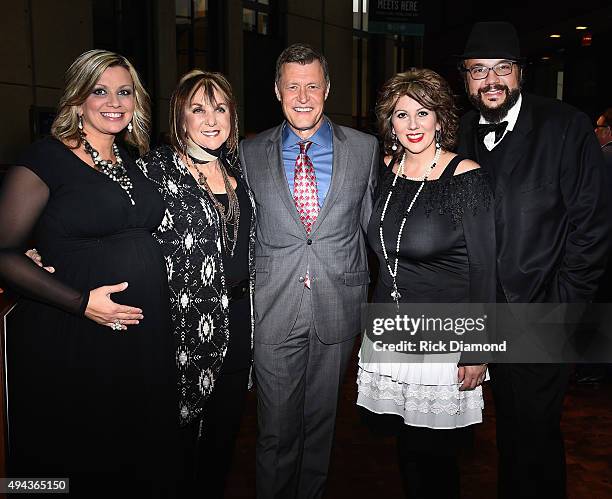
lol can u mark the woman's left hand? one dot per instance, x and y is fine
(471, 376)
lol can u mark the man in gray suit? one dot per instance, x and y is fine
(313, 183)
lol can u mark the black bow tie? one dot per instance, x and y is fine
(498, 128)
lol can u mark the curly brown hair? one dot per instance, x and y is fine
(431, 91)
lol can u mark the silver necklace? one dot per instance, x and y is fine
(395, 294)
(116, 172)
(232, 215)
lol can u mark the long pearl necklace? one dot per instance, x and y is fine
(400, 170)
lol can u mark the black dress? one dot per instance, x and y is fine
(445, 256)
(434, 263)
(86, 401)
(236, 268)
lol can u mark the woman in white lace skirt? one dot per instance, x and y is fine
(432, 231)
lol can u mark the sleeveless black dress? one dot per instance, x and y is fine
(85, 402)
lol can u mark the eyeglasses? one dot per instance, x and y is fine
(601, 126)
(481, 72)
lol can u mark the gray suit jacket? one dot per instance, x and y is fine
(335, 251)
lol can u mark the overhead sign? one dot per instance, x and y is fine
(399, 17)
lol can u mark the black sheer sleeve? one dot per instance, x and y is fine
(23, 197)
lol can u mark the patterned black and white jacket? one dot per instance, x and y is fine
(190, 237)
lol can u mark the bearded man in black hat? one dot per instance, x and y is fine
(552, 235)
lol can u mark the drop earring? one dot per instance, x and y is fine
(394, 145)
(80, 124)
(130, 127)
(438, 139)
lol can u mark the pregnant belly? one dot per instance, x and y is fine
(132, 256)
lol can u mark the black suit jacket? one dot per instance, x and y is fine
(551, 212)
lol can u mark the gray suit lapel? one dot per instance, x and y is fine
(277, 172)
(339, 168)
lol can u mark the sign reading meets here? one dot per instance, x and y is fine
(398, 17)
(394, 10)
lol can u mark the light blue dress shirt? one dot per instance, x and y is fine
(321, 153)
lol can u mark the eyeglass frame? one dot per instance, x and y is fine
(489, 69)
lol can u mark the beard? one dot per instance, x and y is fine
(496, 114)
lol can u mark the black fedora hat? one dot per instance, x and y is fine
(492, 40)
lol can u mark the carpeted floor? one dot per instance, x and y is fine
(363, 466)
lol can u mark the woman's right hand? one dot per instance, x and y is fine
(103, 310)
(36, 257)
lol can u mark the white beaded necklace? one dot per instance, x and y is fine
(393, 272)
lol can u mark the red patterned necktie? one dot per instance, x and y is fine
(305, 192)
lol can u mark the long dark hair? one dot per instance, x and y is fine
(187, 86)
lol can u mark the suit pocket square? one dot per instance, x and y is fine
(357, 278)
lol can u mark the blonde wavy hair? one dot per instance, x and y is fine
(188, 85)
(80, 80)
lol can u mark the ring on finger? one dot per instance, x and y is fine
(116, 325)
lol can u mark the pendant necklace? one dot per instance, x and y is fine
(230, 216)
(395, 294)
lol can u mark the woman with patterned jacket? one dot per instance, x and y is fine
(207, 237)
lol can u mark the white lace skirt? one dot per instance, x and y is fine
(423, 394)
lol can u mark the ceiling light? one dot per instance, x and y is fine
(555, 36)
(581, 27)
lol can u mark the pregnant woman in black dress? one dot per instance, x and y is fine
(91, 383)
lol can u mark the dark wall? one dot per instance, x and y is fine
(126, 28)
(588, 76)
(262, 110)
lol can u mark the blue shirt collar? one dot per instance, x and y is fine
(323, 136)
